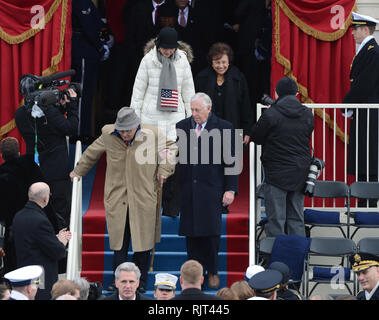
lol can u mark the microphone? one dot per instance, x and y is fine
(56, 76)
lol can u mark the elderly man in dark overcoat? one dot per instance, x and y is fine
(209, 181)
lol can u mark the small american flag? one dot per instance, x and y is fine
(169, 99)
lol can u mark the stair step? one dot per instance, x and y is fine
(106, 277)
(169, 242)
(94, 222)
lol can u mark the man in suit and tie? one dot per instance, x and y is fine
(208, 181)
(127, 276)
(364, 78)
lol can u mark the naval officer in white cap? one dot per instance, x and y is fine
(24, 282)
(165, 285)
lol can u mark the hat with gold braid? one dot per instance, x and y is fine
(362, 261)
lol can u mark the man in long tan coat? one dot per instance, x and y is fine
(139, 159)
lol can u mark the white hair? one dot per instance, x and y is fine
(129, 267)
(207, 101)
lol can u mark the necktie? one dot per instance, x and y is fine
(156, 14)
(198, 130)
(182, 20)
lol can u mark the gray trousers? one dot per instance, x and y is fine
(284, 210)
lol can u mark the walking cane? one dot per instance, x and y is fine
(157, 214)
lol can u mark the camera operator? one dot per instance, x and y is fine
(284, 131)
(44, 130)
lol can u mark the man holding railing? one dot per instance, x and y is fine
(364, 78)
(139, 160)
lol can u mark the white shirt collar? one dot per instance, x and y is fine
(367, 39)
(369, 295)
(155, 4)
(119, 297)
(18, 295)
(202, 125)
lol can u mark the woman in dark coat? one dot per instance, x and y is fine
(227, 87)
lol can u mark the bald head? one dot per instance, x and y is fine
(39, 193)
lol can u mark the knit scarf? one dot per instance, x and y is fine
(168, 88)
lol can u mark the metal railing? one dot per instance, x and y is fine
(329, 133)
(74, 256)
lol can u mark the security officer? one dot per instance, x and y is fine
(366, 268)
(265, 284)
(88, 50)
(24, 282)
(165, 285)
(364, 88)
(284, 293)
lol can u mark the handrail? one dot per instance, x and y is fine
(74, 256)
(252, 203)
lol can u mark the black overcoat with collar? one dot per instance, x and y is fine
(203, 184)
(37, 244)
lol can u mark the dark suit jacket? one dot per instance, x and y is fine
(194, 294)
(37, 243)
(203, 185)
(114, 296)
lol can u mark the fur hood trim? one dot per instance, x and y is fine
(185, 47)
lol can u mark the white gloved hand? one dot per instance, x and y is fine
(106, 53)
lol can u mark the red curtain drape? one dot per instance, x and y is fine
(312, 44)
(25, 48)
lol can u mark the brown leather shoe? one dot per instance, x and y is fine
(213, 281)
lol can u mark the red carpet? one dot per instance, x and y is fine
(94, 228)
(237, 226)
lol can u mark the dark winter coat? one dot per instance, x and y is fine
(37, 243)
(364, 78)
(203, 185)
(236, 103)
(284, 130)
(16, 176)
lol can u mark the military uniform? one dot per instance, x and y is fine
(364, 78)
(361, 262)
(265, 283)
(88, 50)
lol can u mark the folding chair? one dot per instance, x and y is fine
(369, 245)
(325, 218)
(365, 217)
(329, 273)
(289, 249)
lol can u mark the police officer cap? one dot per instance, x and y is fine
(24, 276)
(266, 281)
(252, 270)
(286, 86)
(362, 261)
(165, 281)
(363, 20)
(282, 268)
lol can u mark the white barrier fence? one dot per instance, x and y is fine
(331, 145)
(74, 256)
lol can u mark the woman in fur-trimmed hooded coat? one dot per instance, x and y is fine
(146, 86)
